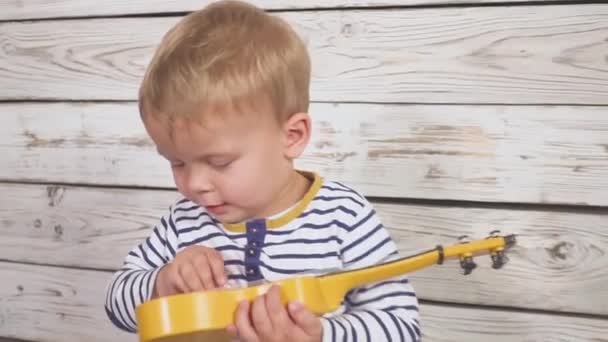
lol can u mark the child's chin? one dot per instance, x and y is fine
(230, 218)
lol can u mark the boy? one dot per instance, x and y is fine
(225, 100)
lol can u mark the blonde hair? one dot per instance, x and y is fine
(228, 54)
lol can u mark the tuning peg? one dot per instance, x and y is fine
(499, 259)
(467, 264)
(466, 260)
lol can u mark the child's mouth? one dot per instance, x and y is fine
(217, 209)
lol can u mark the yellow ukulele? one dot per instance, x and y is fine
(204, 316)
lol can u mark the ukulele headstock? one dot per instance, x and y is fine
(496, 249)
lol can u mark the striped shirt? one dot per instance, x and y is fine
(333, 228)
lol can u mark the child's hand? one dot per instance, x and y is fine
(270, 321)
(193, 269)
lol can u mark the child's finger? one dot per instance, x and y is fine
(231, 329)
(179, 284)
(216, 264)
(305, 319)
(203, 272)
(260, 318)
(278, 315)
(243, 324)
(190, 277)
(176, 281)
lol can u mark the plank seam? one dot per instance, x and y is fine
(324, 9)
(387, 103)
(520, 206)
(515, 309)
(70, 267)
(453, 203)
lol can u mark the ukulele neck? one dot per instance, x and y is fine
(334, 286)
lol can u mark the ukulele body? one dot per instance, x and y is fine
(178, 318)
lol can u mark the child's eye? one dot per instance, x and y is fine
(221, 163)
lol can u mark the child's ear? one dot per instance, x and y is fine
(296, 134)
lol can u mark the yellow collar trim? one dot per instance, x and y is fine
(291, 214)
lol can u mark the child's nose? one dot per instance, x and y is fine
(198, 182)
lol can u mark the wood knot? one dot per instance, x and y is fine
(58, 230)
(53, 292)
(137, 141)
(343, 156)
(55, 195)
(326, 128)
(433, 172)
(20, 288)
(9, 48)
(37, 223)
(560, 250)
(347, 30)
(34, 141)
(323, 144)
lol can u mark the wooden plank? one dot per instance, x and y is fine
(479, 153)
(34, 9)
(457, 324)
(53, 304)
(560, 254)
(41, 303)
(520, 54)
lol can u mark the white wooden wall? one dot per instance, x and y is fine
(454, 119)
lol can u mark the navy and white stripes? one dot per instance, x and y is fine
(338, 230)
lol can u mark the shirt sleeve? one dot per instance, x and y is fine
(380, 311)
(134, 282)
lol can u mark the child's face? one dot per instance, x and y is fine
(237, 166)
